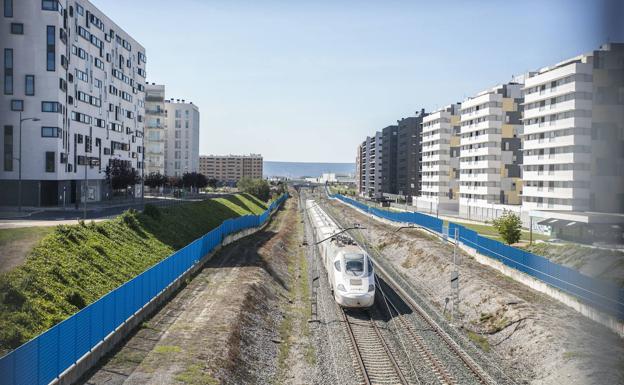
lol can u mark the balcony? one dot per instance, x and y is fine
(560, 141)
(556, 192)
(564, 158)
(567, 105)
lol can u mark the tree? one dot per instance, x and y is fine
(120, 175)
(212, 183)
(257, 187)
(155, 179)
(509, 227)
(194, 179)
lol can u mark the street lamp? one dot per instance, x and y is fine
(19, 184)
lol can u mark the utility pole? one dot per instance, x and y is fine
(85, 188)
(455, 279)
(19, 183)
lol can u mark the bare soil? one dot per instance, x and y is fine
(15, 244)
(540, 340)
(229, 325)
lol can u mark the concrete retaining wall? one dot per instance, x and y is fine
(595, 315)
(91, 359)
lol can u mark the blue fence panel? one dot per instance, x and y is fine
(27, 363)
(7, 366)
(48, 355)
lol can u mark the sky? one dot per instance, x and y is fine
(309, 80)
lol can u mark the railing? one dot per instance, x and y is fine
(44, 358)
(604, 296)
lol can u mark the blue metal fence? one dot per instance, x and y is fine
(44, 358)
(605, 296)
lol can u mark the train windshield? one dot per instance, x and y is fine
(354, 264)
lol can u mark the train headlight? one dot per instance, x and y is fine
(341, 287)
(371, 288)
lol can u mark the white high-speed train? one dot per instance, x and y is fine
(349, 269)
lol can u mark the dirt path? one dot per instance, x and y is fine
(225, 326)
(541, 340)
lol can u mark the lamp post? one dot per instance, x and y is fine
(19, 183)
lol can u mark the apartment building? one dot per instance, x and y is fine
(573, 143)
(182, 144)
(358, 168)
(409, 155)
(490, 153)
(73, 91)
(371, 158)
(155, 129)
(389, 138)
(440, 142)
(229, 169)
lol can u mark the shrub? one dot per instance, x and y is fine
(152, 211)
(509, 227)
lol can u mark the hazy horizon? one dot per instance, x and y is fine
(295, 81)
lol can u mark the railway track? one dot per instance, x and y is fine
(375, 360)
(416, 337)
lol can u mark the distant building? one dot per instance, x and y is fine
(409, 155)
(370, 177)
(155, 129)
(82, 77)
(389, 136)
(182, 145)
(490, 154)
(229, 169)
(440, 160)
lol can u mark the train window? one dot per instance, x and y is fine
(370, 267)
(354, 264)
(337, 265)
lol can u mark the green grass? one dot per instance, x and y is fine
(23, 233)
(74, 266)
(480, 341)
(490, 232)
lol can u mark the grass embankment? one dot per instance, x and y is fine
(75, 265)
(17, 243)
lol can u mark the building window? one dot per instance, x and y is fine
(79, 9)
(30, 85)
(49, 132)
(50, 107)
(49, 161)
(8, 71)
(8, 148)
(49, 5)
(51, 48)
(17, 105)
(8, 8)
(17, 28)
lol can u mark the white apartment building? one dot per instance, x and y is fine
(155, 129)
(573, 141)
(182, 145)
(229, 169)
(440, 160)
(370, 185)
(490, 155)
(75, 79)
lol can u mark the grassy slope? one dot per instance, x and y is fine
(76, 265)
(16, 243)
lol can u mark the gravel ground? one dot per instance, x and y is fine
(537, 339)
(221, 328)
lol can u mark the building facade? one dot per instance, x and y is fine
(155, 129)
(74, 92)
(182, 144)
(389, 138)
(371, 157)
(490, 154)
(409, 155)
(574, 145)
(440, 160)
(229, 169)
(359, 176)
